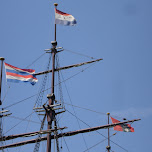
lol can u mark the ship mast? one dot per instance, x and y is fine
(51, 97)
(50, 110)
(2, 60)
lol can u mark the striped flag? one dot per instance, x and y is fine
(123, 127)
(64, 18)
(14, 74)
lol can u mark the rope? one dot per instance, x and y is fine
(80, 54)
(65, 141)
(35, 60)
(50, 87)
(99, 132)
(24, 119)
(26, 129)
(102, 113)
(41, 92)
(18, 123)
(6, 94)
(96, 144)
(75, 113)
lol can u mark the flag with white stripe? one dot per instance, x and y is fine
(14, 74)
(64, 18)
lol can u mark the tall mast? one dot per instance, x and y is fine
(51, 97)
(1, 129)
(2, 59)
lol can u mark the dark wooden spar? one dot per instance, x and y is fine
(66, 134)
(68, 67)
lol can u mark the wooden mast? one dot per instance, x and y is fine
(2, 59)
(51, 97)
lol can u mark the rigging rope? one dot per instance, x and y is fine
(38, 102)
(80, 54)
(99, 132)
(42, 88)
(64, 140)
(37, 145)
(102, 113)
(6, 94)
(75, 113)
(50, 87)
(98, 143)
(35, 60)
(18, 123)
(26, 130)
(59, 82)
(24, 119)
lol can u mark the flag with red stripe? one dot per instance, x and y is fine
(14, 74)
(123, 127)
(64, 18)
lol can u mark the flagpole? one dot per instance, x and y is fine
(108, 147)
(55, 4)
(2, 59)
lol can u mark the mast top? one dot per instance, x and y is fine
(55, 4)
(108, 113)
(1, 58)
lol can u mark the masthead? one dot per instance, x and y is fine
(1, 58)
(55, 4)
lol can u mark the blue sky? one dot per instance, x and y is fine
(118, 31)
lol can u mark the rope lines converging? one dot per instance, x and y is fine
(97, 144)
(19, 122)
(24, 119)
(38, 102)
(75, 113)
(50, 87)
(102, 113)
(26, 129)
(99, 132)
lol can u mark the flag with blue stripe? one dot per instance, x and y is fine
(14, 74)
(64, 18)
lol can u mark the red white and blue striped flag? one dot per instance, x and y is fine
(14, 74)
(64, 18)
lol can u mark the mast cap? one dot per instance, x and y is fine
(108, 113)
(55, 4)
(54, 43)
(1, 58)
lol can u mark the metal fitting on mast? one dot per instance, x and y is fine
(54, 43)
(55, 4)
(51, 96)
(1, 58)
